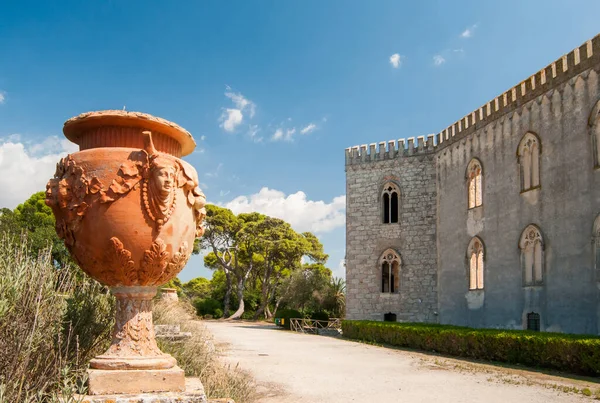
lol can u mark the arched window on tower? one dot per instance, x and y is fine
(532, 255)
(389, 263)
(475, 259)
(475, 183)
(528, 156)
(594, 126)
(390, 199)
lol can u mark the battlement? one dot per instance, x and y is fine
(561, 70)
(390, 149)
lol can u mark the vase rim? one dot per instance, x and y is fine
(75, 126)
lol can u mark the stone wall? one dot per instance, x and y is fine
(564, 208)
(413, 238)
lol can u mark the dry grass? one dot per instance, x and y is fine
(199, 357)
(51, 322)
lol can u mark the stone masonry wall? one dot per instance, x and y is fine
(413, 238)
(564, 208)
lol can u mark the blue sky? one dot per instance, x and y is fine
(273, 91)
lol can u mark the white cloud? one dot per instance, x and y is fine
(283, 134)
(311, 127)
(2, 97)
(202, 138)
(230, 119)
(438, 60)
(242, 103)
(25, 169)
(467, 33)
(395, 60)
(296, 209)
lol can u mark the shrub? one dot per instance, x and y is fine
(207, 306)
(284, 315)
(52, 320)
(218, 313)
(565, 352)
(248, 315)
(319, 315)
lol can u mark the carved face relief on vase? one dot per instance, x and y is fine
(158, 190)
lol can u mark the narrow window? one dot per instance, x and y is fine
(386, 208)
(532, 256)
(394, 207)
(475, 183)
(390, 271)
(475, 256)
(390, 203)
(533, 321)
(528, 156)
(385, 277)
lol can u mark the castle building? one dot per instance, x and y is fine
(495, 221)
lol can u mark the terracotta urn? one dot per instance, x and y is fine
(128, 208)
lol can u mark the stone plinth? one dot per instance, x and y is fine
(115, 381)
(192, 393)
(169, 294)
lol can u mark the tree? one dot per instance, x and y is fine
(306, 288)
(221, 228)
(336, 298)
(34, 217)
(281, 250)
(198, 287)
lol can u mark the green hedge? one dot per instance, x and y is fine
(565, 352)
(286, 315)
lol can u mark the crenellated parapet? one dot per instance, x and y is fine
(561, 70)
(390, 149)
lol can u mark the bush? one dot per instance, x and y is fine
(248, 315)
(52, 321)
(320, 315)
(284, 315)
(565, 352)
(218, 313)
(207, 306)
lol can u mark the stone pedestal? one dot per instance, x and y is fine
(169, 294)
(127, 381)
(133, 362)
(193, 392)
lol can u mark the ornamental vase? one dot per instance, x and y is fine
(128, 209)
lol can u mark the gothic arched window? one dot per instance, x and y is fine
(390, 199)
(532, 255)
(528, 155)
(594, 124)
(475, 183)
(389, 263)
(475, 258)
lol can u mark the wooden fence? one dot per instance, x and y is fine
(332, 326)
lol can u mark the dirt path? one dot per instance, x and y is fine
(293, 367)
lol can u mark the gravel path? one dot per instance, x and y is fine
(292, 367)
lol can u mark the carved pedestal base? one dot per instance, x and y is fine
(134, 344)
